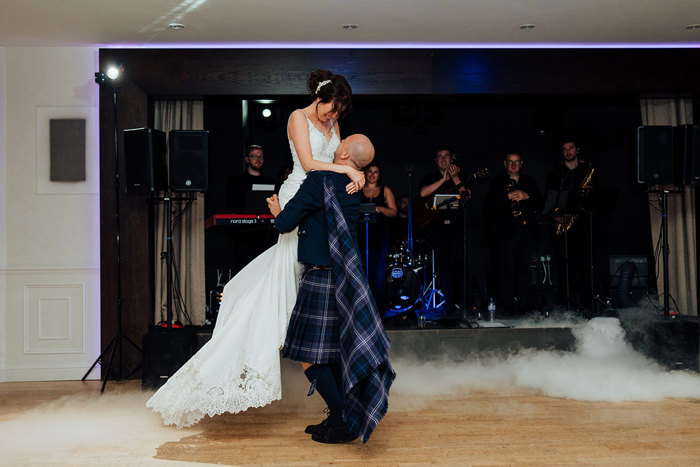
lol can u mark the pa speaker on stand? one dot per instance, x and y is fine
(657, 163)
(145, 156)
(188, 160)
(686, 139)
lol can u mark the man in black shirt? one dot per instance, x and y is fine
(248, 240)
(511, 203)
(570, 189)
(239, 185)
(444, 230)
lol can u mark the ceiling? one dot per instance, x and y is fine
(319, 23)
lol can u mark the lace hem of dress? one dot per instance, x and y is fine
(183, 404)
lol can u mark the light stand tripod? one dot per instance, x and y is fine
(116, 343)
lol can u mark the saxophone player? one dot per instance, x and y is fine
(511, 203)
(569, 186)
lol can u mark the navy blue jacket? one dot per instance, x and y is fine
(306, 210)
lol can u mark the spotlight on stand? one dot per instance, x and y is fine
(115, 346)
(113, 72)
(109, 77)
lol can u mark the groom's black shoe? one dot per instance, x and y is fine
(333, 434)
(311, 429)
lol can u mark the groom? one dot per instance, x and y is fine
(335, 330)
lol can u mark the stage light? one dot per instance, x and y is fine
(266, 113)
(113, 72)
(111, 77)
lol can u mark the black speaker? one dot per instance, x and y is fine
(164, 352)
(656, 163)
(145, 159)
(189, 160)
(686, 140)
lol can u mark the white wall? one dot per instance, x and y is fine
(3, 190)
(49, 231)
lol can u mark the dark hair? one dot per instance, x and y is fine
(374, 163)
(442, 148)
(337, 90)
(568, 140)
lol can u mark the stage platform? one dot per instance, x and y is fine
(501, 337)
(438, 340)
(673, 343)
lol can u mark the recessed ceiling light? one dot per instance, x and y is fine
(176, 26)
(527, 27)
(349, 26)
(693, 26)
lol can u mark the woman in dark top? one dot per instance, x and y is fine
(379, 232)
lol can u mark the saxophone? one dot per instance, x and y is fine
(571, 218)
(515, 208)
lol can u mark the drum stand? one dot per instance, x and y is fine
(432, 295)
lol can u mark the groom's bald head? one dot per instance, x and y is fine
(356, 151)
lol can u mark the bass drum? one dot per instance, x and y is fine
(402, 288)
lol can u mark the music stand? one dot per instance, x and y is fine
(589, 200)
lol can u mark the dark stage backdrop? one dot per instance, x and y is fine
(466, 108)
(405, 131)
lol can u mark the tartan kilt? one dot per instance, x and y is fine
(313, 335)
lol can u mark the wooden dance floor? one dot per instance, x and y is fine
(70, 423)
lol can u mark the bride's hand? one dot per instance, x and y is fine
(358, 181)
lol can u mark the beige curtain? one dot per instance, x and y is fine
(189, 295)
(682, 261)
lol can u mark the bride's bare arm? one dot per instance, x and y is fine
(299, 133)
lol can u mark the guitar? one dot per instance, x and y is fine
(423, 211)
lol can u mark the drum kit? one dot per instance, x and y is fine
(405, 279)
(411, 280)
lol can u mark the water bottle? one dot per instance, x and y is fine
(492, 309)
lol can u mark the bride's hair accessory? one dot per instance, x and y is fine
(321, 84)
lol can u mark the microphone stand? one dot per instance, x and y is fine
(465, 266)
(368, 211)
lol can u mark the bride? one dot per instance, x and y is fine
(239, 367)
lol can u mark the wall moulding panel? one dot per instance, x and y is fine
(52, 329)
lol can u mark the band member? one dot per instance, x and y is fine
(511, 203)
(444, 231)
(379, 232)
(248, 241)
(569, 191)
(239, 185)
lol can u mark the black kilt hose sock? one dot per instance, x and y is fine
(328, 389)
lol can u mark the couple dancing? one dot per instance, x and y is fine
(239, 367)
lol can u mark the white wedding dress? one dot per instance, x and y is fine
(239, 367)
